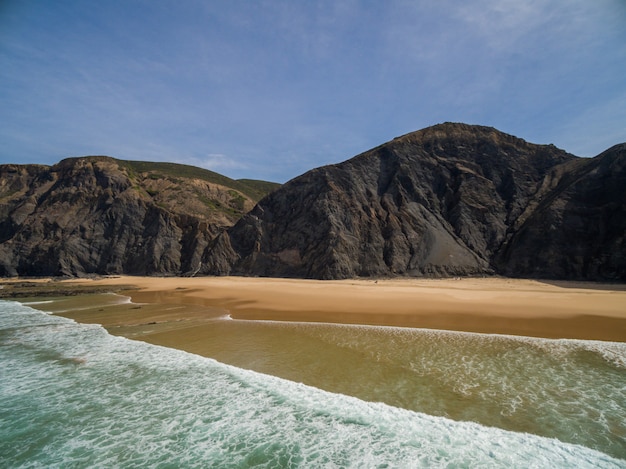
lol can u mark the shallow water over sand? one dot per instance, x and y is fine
(567, 389)
(571, 390)
(74, 396)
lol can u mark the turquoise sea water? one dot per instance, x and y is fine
(72, 395)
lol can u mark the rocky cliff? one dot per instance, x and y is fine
(448, 200)
(576, 226)
(106, 216)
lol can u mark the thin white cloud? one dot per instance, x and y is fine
(504, 22)
(218, 162)
(594, 129)
(528, 27)
(277, 87)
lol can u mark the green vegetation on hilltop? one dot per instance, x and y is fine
(260, 187)
(252, 188)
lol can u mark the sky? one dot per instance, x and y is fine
(269, 89)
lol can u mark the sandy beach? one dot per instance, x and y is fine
(486, 305)
(284, 328)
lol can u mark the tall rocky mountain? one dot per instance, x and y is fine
(107, 216)
(449, 200)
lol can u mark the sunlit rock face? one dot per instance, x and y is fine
(98, 215)
(449, 200)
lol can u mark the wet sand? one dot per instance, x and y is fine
(173, 311)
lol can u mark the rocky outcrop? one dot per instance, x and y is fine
(105, 216)
(576, 228)
(449, 200)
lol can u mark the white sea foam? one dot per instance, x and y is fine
(614, 352)
(123, 299)
(72, 395)
(570, 389)
(43, 302)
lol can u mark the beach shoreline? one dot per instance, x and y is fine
(568, 310)
(284, 328)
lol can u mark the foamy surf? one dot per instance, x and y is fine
(34, 303)
(73, 395)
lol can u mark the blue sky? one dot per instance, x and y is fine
(270, 89)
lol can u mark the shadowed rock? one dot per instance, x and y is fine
(449, 200)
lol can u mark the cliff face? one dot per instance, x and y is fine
(105, 216)
(448, 200)
(577, 226)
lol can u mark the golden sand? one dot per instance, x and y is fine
(489, 305)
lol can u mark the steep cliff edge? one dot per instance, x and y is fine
(106, 216)
(578, 228)
(449, 200)
(452, 199)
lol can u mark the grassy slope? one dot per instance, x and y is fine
(252, 188)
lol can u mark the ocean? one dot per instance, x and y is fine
(72, 395)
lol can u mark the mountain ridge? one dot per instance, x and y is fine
(101, 215)
(448, 200)
(442, 201)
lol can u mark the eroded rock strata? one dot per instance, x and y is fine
(449, 200)
(105, 216)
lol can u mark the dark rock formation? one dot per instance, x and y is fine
(576, 228)
(105, 216)
(448, 200)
